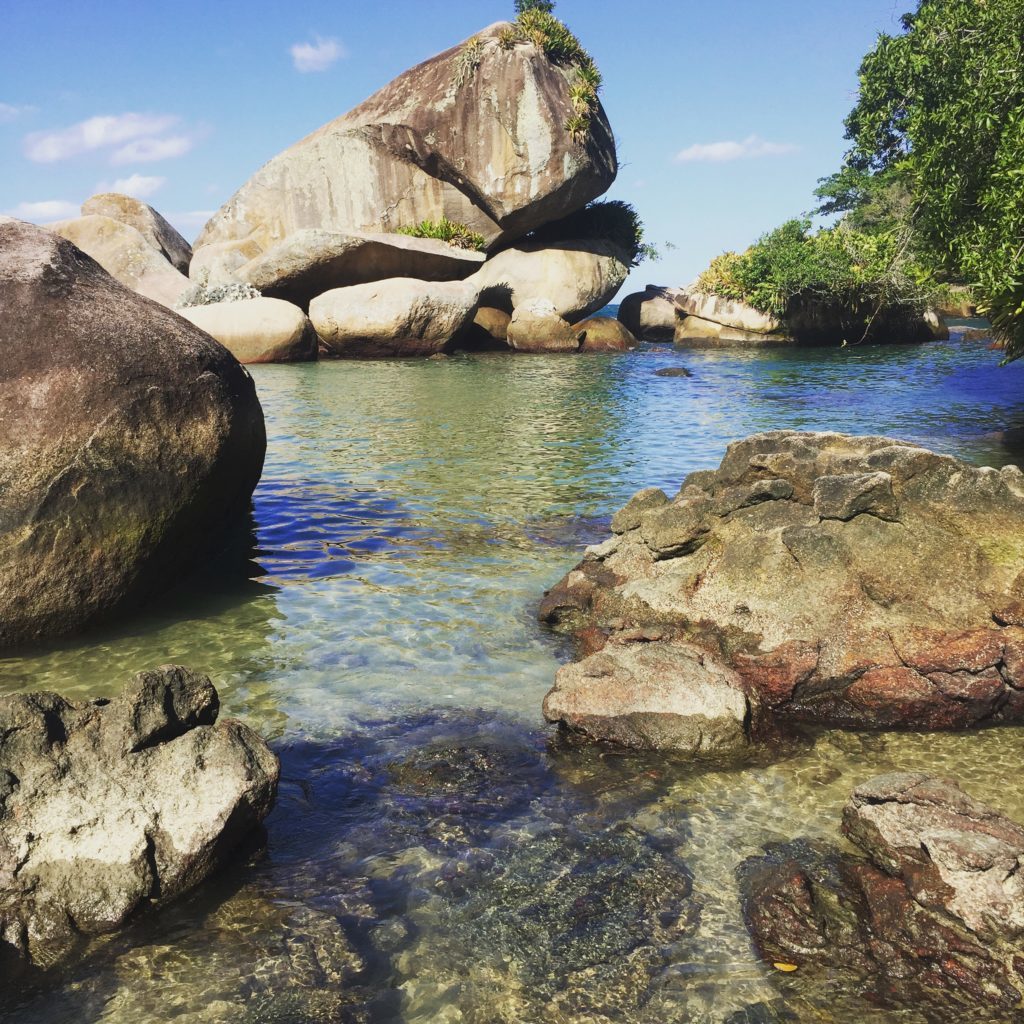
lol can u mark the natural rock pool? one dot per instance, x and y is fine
(437, 854)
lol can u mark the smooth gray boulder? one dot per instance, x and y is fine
(536, 327)
(258, 330)
(139, 215)
(650, 315)
(604, 334)
(130, 441)
(108, 808)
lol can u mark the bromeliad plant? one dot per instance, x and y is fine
(445, 230)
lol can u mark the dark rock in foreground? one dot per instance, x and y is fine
(129, 439)
(110, 807)
(853, 581)
(933, 919)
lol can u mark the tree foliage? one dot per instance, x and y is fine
(547, 6)
(941, 106)
(606, 220)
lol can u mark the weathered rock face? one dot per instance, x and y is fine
(141, 216)
(578, 278)
(933, 919)
(693, 331)
(663, 696)
(855, 581)
(650, 315)
(604, 334)
(489, 330)
(311, 262)
(124, 253)
(536, 327)
(475, 134)
(128, 439)
(399, 317)
(727, 312)
(258, 330)
(110, 807)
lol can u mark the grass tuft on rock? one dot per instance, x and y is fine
(451, 232)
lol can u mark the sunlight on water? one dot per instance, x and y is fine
(436, 854)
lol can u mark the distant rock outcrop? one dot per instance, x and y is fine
(124, 253)
(397, 317)
(129, 439)
(577, 277)
(111, 807)
(141, 216)
(851, 581)
(476, 135)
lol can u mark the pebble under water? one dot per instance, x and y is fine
(437, 854)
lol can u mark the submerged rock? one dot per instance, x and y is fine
(399, 317)
(933, 919)
(853, 581)
(577, 277)
(257, 330)
(129, 440)
(111, 807)
(475, 134)
(124, 253)
(139, 215)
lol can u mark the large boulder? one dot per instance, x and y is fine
(129, 439)
(258, 330)
(476, 134)
(853, 581)
(577, 277)
(932, 920)
(141, 216)
(536, 327)
(123, 252)
(398, 317)
(650, 315)
(604, 334)
(311, 262)
(726, 312)
(108, 808)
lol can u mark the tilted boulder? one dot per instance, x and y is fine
(398, 317)
(257, 330)
(536, 327)
(476, 134)
(577, 277)
(141, 216)
(852, 581)
(125, 254)
(932, 920)
(311, 262)
(111, 807)
(129, 440)
(650, 315)
(489, 330)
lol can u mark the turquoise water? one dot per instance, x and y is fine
(437, 854)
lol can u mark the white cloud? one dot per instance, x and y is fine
(9, 112)
(94, 133)
(318, 56)
(45, 211)
(148, 150)
(750, 148)
(138, 185)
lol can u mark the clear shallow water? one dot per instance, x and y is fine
(436, 855)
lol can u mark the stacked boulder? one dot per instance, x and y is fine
(475, 138)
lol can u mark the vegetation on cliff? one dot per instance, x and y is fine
(445, 230)
(608, 220)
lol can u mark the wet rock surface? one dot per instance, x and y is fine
(108, 808)
(853, 581)
(930, 920)
(127, 449)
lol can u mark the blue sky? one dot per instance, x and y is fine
(181, 102)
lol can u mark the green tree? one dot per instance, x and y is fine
(547, 6)
(942, 107)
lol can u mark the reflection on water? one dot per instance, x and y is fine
(434, 857)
